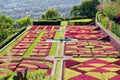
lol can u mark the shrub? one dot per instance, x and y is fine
(116, 28)
(104, 22)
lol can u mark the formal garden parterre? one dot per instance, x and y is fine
(88, 57)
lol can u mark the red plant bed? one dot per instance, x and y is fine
(70, 63)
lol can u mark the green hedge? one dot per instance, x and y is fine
(81, 22)
(116, 28)
(10, 38)
(104, 22)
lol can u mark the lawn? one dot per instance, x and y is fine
(81, 20)
(57, 70)
(53, 49)
(64, 23)
(57, 35)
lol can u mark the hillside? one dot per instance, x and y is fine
(18, 8)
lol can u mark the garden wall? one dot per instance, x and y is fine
(113, 40)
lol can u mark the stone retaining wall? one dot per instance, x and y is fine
(113, 40)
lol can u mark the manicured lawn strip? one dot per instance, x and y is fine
(12, 44)
(28, 52)
(33, 74)
(57, 70)
(64, 23)
(53, 49)
(60, 50)
(62, 28)
(81, 20)
(57, 35)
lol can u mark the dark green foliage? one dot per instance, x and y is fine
(86, 8)
(50, 14)
(6, 26)
(116, 28)
(46, 22)
(25, 21)
(112, 8)
(11, 37)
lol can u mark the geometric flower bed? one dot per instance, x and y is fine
(93, 69)
(21, 47)
(83, 33)
(50, 32)
(42, 49)
(88, 43)
(19, 64)
(35, 47)
(90, 48)
(48, 35)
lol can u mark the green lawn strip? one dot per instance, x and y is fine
(57, 70)
(12, 44)
(38, 74)
(63, 31)
(57, 35)
(30, 49)
(60, 50)
(81, 20)
(64, 23)
(53, 49)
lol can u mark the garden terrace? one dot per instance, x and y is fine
(88, 43)
(90, 48)
(62, 52)
(83, 33)
(41, 49)
(92, 68)
(19, 64)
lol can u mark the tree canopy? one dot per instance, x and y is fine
(25, 21)
(112, 8)
(87, 8)
(6, 26)
(51, 13)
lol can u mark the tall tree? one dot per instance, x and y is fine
(51, 13)
(6, 26)
(87, 8)
(112, 8)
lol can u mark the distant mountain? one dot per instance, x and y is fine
(21, 8)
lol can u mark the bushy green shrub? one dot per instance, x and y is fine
(104, 22)
(115, 28)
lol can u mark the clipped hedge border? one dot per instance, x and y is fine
(46, 22)
(9, 39)
(82, 23)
